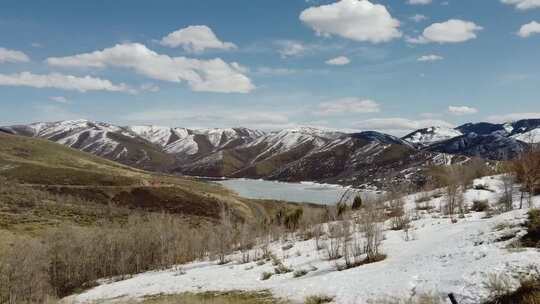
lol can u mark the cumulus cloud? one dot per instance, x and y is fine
(529, 29)
(347, 106)
(12, 56)
(195, 39)
(523, 4)
(418, 18)
(59, 99)
(358, 20)
(341, 60)
(451, 31)
(462, 110)
(61, 81)
(213, 75)
(513, 117)
(400, 126)
(431, 57)
(419, 2)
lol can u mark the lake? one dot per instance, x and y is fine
(304, 192)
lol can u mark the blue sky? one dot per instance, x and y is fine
(389, 65)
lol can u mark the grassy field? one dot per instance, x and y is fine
(216, 298)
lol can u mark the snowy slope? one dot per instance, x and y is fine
(431, 135)
(81, 134)
(289, 139)
(531, 136)
(442, 258)
(171, 140)
(189, 141)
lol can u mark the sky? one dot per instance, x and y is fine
(386, 65)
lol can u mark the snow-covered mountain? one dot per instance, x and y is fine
(193, 141)
(290, 154)
(102, 139)
(486, 140)
(428, 136)
(263, 155)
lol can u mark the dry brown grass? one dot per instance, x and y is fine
(235, 297)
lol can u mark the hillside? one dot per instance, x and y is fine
(436, 255)
(45, 183)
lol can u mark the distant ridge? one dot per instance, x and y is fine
(295, 154)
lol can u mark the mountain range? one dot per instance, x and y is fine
(298, 154)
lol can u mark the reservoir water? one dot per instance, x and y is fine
(304, 192)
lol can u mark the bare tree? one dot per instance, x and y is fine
(222, 237)
(507, 200)
(334, 243)
(527, 169)
(454, 192)
(373, 232)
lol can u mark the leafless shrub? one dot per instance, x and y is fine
(527, 171)
(266, 276)
(319, 299)
(317, 231)
(498, 285)
(373, 233)
(333, 245)
(222, 237)
(506, 201)
(281, 269)
(24, 276)
(480, 205)
(424, 298)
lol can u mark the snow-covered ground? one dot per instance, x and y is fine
(442, 258)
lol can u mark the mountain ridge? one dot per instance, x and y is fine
(295, 154)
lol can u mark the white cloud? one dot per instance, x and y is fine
(462, 110)
(418, 18)
(529, 29)
(512, 117)
(400, 126)
(523, 4)
(341, 60)
(149, 87)
(59, 99)
(213, 75)
(12, 56)
(419, 2)
(288, 48)
(347, 106)
(431, 57)
(275, 71)
(358, 20)
(61, 81)
(196, 39)
(451, 31)
(217, 117)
